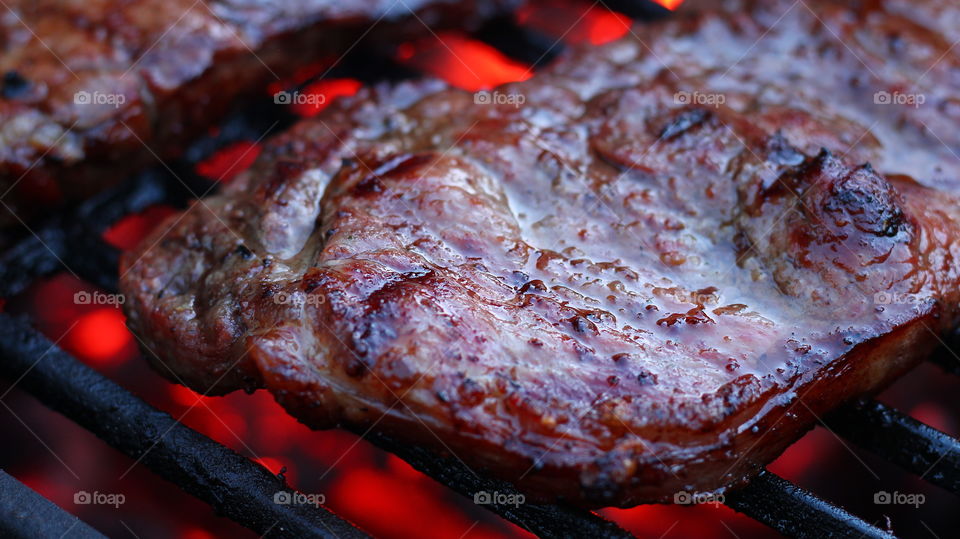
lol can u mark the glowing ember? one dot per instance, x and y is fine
(126, 233)
(463, 62)
(705, 520)
(606, 26)
(326, 91)
(185, 396)
(272, 464)
(196, 533)
(575, 21)
(669, 4)
(301, 76)
(803, 455)
(229, 161)
(394, 507)
(100, 337)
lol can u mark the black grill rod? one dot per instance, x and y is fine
(795, 512)
(946, 360)
(235, 486)
(214, 473)
(72, 238)
(898, 438)
(537, 49)
(521, 43)
(641, 10)
(26, 514)
(553, 521)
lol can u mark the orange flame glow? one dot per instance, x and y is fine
(327, 91)
(126, 233)
(99, 336)
(463, 62)
(670, 4)
(229, 161)
(575, 21)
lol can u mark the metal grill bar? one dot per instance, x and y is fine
(73, 237)
(26, 514)
(795, 512)
(519, 42)
(946, 360)
(235, 486)
(896, 437)
(541, 520)
(645, 10)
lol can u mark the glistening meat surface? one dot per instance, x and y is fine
(94, 89)
(606, 295)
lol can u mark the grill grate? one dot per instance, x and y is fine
(912, 445)
(24, 513)
(235, 486)
(243, 490)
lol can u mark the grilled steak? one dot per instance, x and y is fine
(94, 89)
(608, 293)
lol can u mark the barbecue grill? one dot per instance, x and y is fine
(245, 491)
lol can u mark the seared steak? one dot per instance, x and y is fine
(153, 73)
(608, 293)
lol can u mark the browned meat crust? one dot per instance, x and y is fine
(607, 294)
(154, 73)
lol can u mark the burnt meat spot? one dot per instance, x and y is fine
(14, 85)
(647, 378)
(684, 122)
(780, 152)
(372, 184)
(582, 325)
(536, 285)
(245, 253)
(693, 316)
